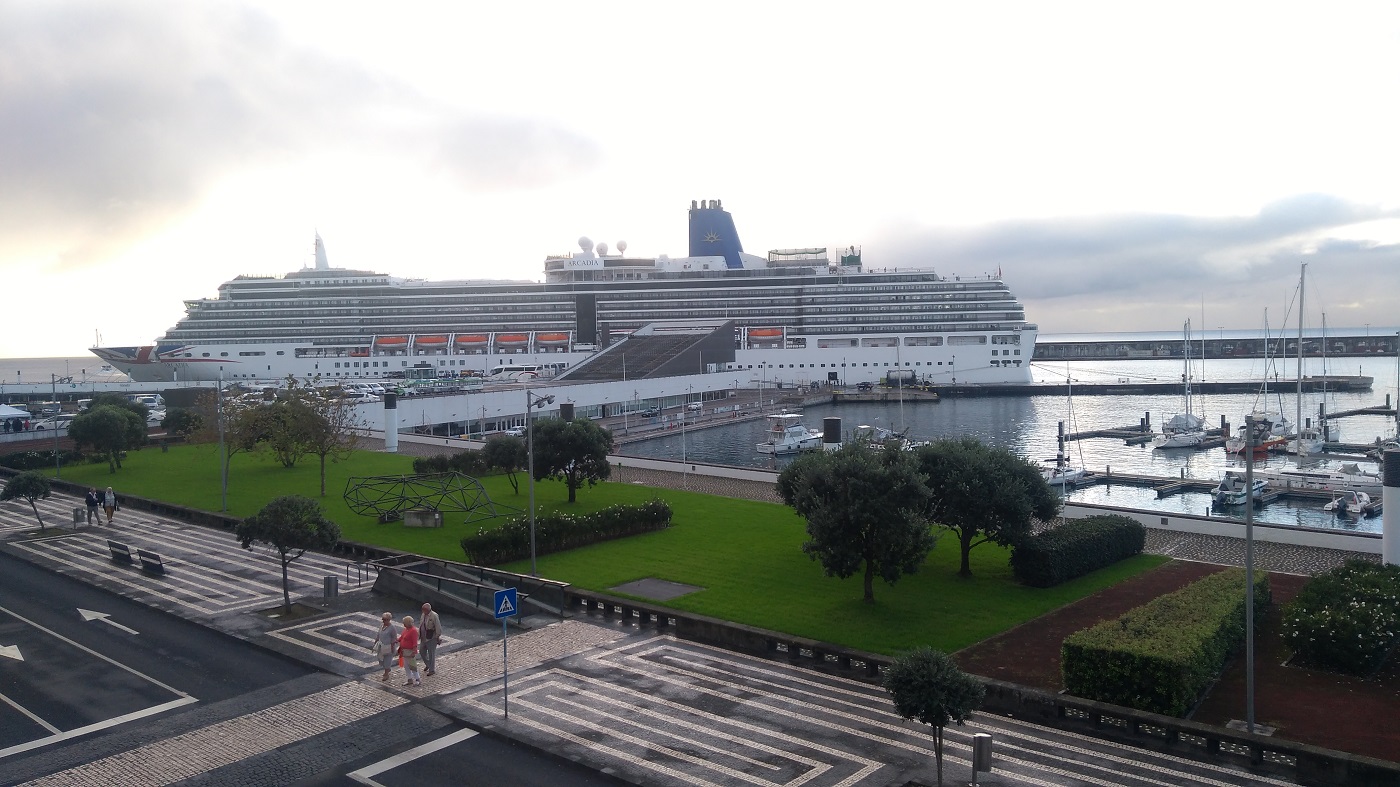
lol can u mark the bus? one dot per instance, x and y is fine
(524, 372)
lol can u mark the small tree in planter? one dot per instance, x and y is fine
(928, 686)
(291, 525)
(29, 486)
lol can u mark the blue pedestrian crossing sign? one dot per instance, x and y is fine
(506, 605)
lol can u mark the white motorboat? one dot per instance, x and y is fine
(1321, 479)
(1354, 503)
(878, 437)
(1233, 491)
(788, 435)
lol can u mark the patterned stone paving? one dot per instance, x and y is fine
(668, 712)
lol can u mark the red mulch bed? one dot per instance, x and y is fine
(1333, 711)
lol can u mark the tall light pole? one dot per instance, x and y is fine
(1249, 573)
(57, 465)
(531, 402)
(223, 450)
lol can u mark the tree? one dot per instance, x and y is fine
(928, 686)
(983, 491)
(508, 454)
(574, 451)
(291, 525)
(328, 426)
(110, 430)
(182, 422)
(863, 509)
(31, 485)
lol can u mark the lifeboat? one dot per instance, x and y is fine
(765, 333)
(511, 338)
(470, 339)
(430, 341)
(552, 338)
(391, 342)
(359, 352)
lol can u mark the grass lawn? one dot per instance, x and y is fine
(746, 555)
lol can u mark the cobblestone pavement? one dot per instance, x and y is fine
(660, 711)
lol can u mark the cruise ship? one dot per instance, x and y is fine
(800, 316)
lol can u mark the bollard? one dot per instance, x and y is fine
(981, 755)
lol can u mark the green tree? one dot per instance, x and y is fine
(507, 454)
(863, 509)
(119, 400)
(574, 451)
(110, 430)
(182, 422)
(983, 494)
(31, 486)
(927, 686)
(328, 427)
(291, 525)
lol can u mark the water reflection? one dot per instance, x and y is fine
(1027, 425)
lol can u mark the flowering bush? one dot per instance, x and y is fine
(1347, 619)
(555, 531)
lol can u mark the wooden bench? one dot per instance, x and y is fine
(151, 562)
(121, 553)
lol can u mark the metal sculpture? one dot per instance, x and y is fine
(387, 497)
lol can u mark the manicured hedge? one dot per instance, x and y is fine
(555, 532)
(1346, 619)
(1162, 656)
(469, 463)
(1075, 548)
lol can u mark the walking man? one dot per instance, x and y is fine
(429, 638)
(93, 499)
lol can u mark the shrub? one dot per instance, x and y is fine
(556, 532)
(1075, 548)
(1346, 619)
(468, 463)
(1163, 655)
(43, 460)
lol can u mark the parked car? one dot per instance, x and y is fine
(694, 407)
(865, 386)
(52, 422)
(515, 431)
(154, 417)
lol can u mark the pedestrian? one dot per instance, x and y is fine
(386, 644)
(408, 649)
(109, 504)
(429, 636)
(93, 499)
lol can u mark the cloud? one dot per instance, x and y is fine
(1143, 272)
(117, 119)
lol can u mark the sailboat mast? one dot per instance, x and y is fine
(1298, 416)
(1186, 373)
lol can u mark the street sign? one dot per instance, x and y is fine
(506, 605)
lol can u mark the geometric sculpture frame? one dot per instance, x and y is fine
(388, 496)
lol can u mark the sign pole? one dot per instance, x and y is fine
(505, 669)
(507, 604)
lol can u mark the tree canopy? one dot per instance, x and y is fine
(291, 525)
(979, 490)
(864, 509)
(29, 486)
(110, 429)
(506, 453)
(574, 451)
(927, 686)
(183, 422)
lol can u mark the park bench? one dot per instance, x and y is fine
(121, 553)
(151, 562)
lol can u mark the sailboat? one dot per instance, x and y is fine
(1183, 430)
(1271, 428)
(1062, 473)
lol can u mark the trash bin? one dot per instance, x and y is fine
(332, 587)
(79, 516)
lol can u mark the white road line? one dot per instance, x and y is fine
(90, 651)
(94, 727)
(365, 775)
(26, 712)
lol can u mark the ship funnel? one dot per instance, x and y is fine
(712, 233)
(322, 264)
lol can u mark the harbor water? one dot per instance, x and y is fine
(1028, 426)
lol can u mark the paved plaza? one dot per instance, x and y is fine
(640, 706)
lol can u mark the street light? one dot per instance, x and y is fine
(531, 402)
(57, 465)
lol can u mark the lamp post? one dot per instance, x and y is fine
(1249, 573)
(57, 465)
(223, 450)
(531, 402)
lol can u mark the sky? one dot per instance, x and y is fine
(1124, 165)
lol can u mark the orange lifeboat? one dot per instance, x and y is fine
(430, 341)
(511, 338)
(552, 338)
(765, 333)
(470, 339)
(391, 342)
(359, 352)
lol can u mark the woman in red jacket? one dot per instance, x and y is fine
(408, 649)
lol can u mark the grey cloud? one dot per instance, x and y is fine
(115, 118)
(1146, 272)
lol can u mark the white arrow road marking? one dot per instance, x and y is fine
(103, 616)
(11, 652)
